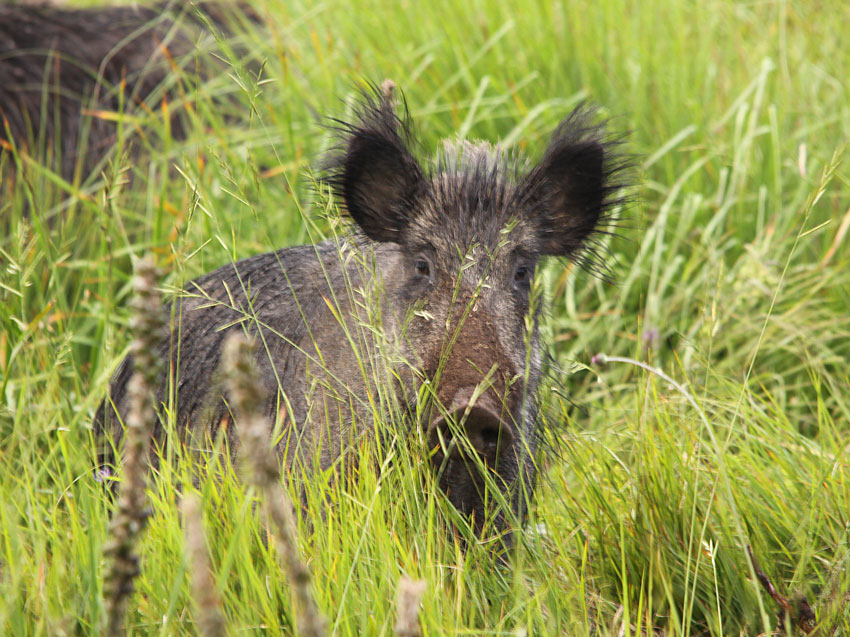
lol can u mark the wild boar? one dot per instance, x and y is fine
(425, 316)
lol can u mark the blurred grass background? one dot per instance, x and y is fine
(731, 273)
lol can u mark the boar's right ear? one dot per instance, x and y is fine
(372, 171)
(570, 190)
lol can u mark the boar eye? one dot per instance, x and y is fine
(422, 267)
(522, 275)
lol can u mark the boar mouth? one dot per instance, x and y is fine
(472, 444)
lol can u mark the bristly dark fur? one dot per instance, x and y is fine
(581, 136)
(380, 139)
(572, 192)
(468, 192)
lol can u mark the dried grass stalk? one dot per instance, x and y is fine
(263, 468)
(211, 622)
(131, 513)
(408, 599)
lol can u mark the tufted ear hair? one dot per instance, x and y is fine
(571, 189)
(373, 171)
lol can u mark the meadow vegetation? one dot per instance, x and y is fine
(728, 281)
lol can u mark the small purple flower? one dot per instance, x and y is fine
(103, 474)
(650, 337)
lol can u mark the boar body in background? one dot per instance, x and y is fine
(58, 66)
(436, 287)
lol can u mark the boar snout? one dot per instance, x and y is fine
(479, 421)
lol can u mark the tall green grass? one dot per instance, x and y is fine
(731, 274)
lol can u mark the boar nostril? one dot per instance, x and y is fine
(488, 438)
(486, 432)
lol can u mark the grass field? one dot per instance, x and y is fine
(730, 284)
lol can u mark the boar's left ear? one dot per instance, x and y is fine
(373, 171)
(570, 190)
